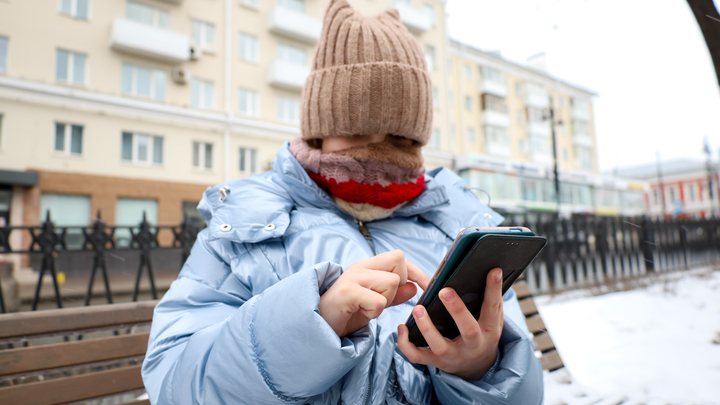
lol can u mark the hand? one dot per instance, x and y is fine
(366, 288)
(470, 355)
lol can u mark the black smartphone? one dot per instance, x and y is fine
(465, 267)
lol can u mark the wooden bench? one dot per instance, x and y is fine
(70, 370)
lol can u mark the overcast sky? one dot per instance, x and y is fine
(646, 59)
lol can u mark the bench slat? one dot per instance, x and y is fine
(543, 342)
(25, 359)
(521, 289)
(551, 361)
(75, 388)
(535, 324)
(528, 306)
(50, 321)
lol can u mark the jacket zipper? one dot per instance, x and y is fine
(368, 237)
(366, 234)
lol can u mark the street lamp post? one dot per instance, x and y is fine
(555, 155)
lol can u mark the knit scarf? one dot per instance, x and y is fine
(368, 182)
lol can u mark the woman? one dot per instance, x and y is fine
(295, 291)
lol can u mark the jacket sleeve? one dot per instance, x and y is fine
(213, 342)
(515, 378)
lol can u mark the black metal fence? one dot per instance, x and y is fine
(587, 251)
(580, 251)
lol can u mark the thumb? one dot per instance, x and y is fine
(404, 293)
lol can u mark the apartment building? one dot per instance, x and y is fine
(137, 106)
(501, 134)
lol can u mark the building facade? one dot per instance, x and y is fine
(678, 188)
(137, 106)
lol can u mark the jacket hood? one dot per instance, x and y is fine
(258, 208)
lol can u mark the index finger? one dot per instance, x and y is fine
(417, 275)
(393, 261)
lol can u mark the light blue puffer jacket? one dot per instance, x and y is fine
(240, 325)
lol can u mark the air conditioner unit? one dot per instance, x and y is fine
(195, 52)
(180, 75)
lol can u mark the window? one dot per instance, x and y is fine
(68, 138)
(67, 210)
(143, 82)
(146, 14)
(520, 117)
(70, 67)
(249, 48)
(203, 34)
(292, 54)
(580, 127)
(1, 133)
(436, 98)
(468, 103)
(535, 115)
(451, 100)
(435, 139)
(493, 75)
(690, 193)
(561, 101)
(496, 135)
(565, 155)
(471, 135)
(201, 93)
(672, 193)
(295, 5)
(430, 57)
(288, 110)
(3, 53)
(248, 160)
(584, 158)
(467, 74)
(249, 103)
(429, 11)
(493, 103)
(189, 210)
(518, 89)
(129, 213)
(75, 8)
(453, 132)
(202, 155)
(142, 148)
(522, 146)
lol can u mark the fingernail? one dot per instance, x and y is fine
(418, 313)
(499, 276)
(448, 296)
(400, 330)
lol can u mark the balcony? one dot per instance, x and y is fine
(148, 41)
(498, 149)
(581, 111)
(542, 157)
(287, 75)
(294, 25)
(583, 140)
(493, 87)
(495, 119)
(416, 21)
(539, 128)
(537, 99)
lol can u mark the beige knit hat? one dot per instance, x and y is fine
(369, 77)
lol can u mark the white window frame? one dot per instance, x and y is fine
(292, 5)
(295, 103)
(285, 51)
(254, 96)
(468, 104)
(467, 72)
(71, 68)
(134, 84)
(4, 69)
(67, 139)
(429, 11)
(204, 44)
(248, 152)
(430, 57)
(435, 138)
(471, 135)
(157, 12)
(201, 155)
(436, 98)
(74, 9)
(202, 102)
(150, 149)
(255, 56)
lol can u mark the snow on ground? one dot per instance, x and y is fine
(652, 345)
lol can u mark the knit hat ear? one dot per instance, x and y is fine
(369, 77)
